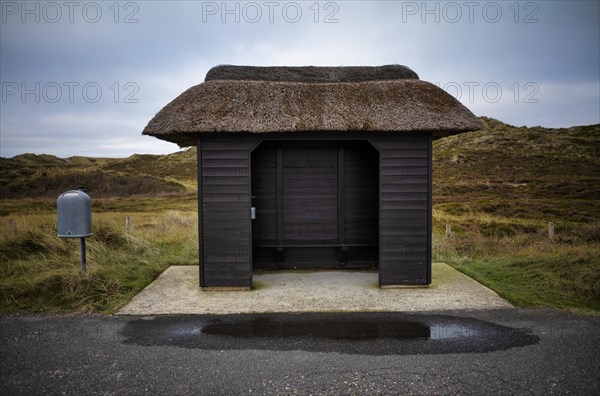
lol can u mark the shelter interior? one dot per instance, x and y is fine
(316, 205)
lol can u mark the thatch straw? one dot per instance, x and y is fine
(311, 74)
(257, 106)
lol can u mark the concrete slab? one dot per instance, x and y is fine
(176, 291)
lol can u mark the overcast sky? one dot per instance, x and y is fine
(85, 77)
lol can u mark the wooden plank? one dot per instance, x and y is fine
(404, 144)
(400, 154)
(224, 210)
(416, 234)
(403, 213)
(405, 257)
(341, 192)
(229, 173)
(226, 188)
(210, 197)
(234, 155)
(429, 209)
(423, 286)
(388, 187)
(279, 194)
(404, 196)
(288, 245)
(225, 231)
(402, 162)
(406, 175)
(229, 144)
(405, 205)
(200, 211)
(404, 273)
(224, 181)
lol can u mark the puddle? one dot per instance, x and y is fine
(368, 333)
(367, 329)
(344, 330)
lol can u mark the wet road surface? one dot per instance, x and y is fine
(464, 352)
(370, 334)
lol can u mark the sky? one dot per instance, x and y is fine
(85, 77)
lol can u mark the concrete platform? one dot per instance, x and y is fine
(176, 291)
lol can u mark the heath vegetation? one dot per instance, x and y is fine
(497, 189)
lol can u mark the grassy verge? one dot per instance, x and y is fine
(516, 259)
(540, 281)
(41, 273)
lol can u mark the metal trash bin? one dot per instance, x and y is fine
(74, 210)
(74, 214)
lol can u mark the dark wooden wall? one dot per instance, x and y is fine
(320, 227)
(405, 209)
(224, 210)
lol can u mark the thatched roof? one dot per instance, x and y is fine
(311, 74)
(310, 99)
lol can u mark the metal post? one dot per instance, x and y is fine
(82, 252)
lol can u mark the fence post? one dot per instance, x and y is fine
(551, 231)
(448, 230)
(128, 224)
(11, 226)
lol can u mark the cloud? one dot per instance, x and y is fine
(551, 48)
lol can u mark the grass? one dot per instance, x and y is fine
(542, 280)
(183, 203)
(531, 173)
(516, 259)
(41, 273)
(499, 188)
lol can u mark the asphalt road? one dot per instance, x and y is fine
(508, 351)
